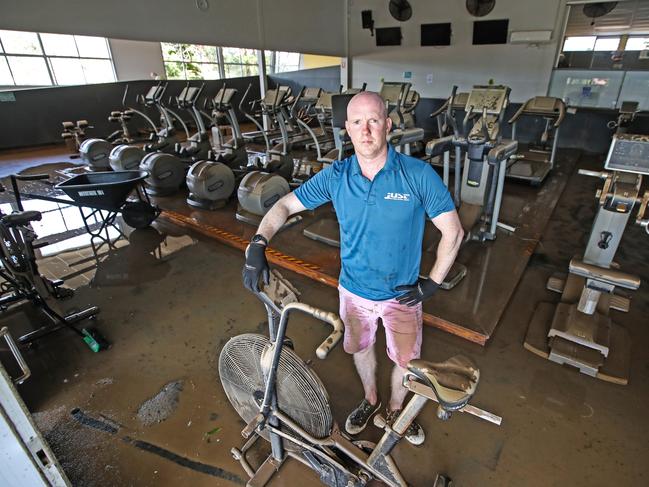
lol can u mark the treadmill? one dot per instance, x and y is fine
(535, 160)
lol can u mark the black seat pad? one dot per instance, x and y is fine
(21, 218)
(453, 381)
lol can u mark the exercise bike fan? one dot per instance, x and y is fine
(300, 393)
(95, 153)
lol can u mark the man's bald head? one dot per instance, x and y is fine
(367, 98)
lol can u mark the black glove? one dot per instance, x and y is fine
(417, 292)
(256, 266)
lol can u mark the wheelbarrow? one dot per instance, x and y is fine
(108, 192)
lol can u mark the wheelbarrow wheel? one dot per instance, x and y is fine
(139, 214)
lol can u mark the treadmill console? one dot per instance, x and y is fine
(629, 107)
(224, 96)
(393, 92)
(493, 98)
(629, 153)
(154, 93)
(339, 109)
(191, 94)
(275, 97)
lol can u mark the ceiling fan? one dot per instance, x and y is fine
(480, 8)
(400, 10)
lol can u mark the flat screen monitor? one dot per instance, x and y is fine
(629, 153)
(490, 31)
(388, 36)
(436, 34)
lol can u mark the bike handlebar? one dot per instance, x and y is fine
(327, 316)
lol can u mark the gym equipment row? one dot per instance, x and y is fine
(533, 161)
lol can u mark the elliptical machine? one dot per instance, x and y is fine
(124, 135)
(167, 171)
(117, 151)
(231, 152)
(401, 102)
(456, 105)
(196, 147)
(478, 194)
(211, 182)
(260, 190)
(579, 331)
(127, 156)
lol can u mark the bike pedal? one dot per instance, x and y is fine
(555, 284)
(380, 421)
(620, 303)
(252, 426)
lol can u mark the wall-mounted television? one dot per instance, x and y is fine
(388, 36)
(490, 31)
(436, 34)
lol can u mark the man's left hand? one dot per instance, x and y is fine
(417, 292)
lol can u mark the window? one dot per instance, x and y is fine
(607, 43)
(240, 62)
(33, 59)
(591, 43)
(282, 62)
(190, 61)
(632, 44)
(579, 43)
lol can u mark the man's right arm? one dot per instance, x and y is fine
(256, 265)
(314, 193)
(278, 214)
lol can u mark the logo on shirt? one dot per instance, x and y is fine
(397, 196)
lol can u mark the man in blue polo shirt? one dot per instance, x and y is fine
(381, 198)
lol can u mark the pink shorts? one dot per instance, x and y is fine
(402, 324)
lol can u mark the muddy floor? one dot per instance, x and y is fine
(150, 411)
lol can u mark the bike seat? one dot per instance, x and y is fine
(453, 381)
(607, 276)
(21, 218)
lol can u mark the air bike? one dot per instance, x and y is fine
(282, 400)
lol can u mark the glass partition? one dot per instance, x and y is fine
(636, 88)
(587, 88)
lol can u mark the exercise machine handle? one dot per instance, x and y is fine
(437, 147)
(328, 317)
(594, 174)
(4, 332)
(642, 218)
(518, 113)
(467, 117)
(441, 109)
(562, 114)
(502, 151)
(484, 128)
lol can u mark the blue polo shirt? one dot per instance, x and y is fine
(381, 221)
